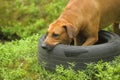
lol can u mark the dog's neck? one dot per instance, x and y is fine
(69, 17)
(76, 22)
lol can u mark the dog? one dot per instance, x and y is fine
(81, 21)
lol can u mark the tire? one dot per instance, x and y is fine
(105, 49)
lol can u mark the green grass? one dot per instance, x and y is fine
(27, 21)
(19, 61)
(24, 18)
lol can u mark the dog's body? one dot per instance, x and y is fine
(81, 20)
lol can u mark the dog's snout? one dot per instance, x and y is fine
(44, 46)
(47, 47)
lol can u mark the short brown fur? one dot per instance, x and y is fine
(81, 20)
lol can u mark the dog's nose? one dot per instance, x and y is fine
(47, 47)
(44, 46)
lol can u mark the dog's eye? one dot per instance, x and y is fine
(55, 35)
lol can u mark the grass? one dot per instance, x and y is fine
(24, 18)
(27, 21)
(19, 61)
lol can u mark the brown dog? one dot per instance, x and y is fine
(81, 20)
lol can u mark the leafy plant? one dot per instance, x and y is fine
(24, 18)
(27, 21)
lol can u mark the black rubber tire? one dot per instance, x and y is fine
(105, 49)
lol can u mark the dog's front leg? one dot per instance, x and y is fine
(76, 41)
(79, 41)
(91, 32)
(90, 41)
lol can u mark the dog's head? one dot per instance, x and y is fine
(59, 32)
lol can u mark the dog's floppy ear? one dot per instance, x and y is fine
(70, 29)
